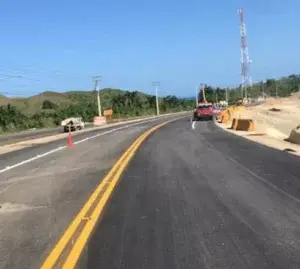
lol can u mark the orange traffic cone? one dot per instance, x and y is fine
(70, 140)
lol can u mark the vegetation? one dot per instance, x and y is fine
(284, 87)
(49, 108)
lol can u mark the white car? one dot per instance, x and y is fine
(72, 124)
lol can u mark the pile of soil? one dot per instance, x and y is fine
(274, 109)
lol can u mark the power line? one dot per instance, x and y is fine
(6, 76)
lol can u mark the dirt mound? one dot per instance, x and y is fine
(295, 136)
(274, 109)
(295, 96)
(272, 101)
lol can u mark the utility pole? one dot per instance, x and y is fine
(203, 93)
(197, 93)
(226, 95)
(156, 85)
(263, 89)
(96, 81)
(276, 88)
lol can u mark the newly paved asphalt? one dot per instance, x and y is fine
(38, 200)
(203, 198)
(17, 156)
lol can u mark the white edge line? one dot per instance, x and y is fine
(7, 168)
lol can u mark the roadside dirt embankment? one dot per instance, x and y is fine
(275, 122)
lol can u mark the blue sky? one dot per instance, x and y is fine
(62, 44)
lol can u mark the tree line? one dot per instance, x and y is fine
(131, 104)
(128, 104)
(283, 87)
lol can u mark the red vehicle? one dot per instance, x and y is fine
(204, 111)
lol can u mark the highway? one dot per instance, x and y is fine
(201, 199)
(39, 133)
(189, 198)
(26, 135)
(39, 199)
(32, 134)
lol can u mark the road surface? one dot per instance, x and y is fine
(201, 199)
(39, 133)
(39, 199)
(198, 198)
(29, 134)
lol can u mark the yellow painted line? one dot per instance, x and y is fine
(85, 234)
(117, 169)
(58, 249)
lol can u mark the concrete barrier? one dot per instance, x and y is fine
(243, 125)
(98, 121)
(295, 136)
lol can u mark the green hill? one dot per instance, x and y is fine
(49, 108)
(34, 104)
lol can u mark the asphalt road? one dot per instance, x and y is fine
(201, 198)
(38, 200)
(189, 199)
(31, 134)
(25, 135)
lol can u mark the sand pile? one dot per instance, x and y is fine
(295, 96)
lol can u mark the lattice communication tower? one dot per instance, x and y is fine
(245, 61)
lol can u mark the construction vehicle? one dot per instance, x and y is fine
(203, 111)
(72, 124)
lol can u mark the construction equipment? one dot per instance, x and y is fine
(204, 111)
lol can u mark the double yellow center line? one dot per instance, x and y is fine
(66, 254)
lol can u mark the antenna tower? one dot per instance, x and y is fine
(245, 61)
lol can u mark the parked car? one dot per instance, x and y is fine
(72, 124)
